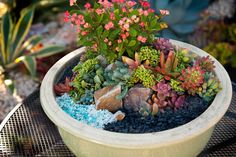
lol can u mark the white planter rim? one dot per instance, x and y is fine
(122, 140)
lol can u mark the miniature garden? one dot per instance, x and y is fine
(132, 54)
(128, 80)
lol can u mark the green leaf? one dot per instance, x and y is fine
(114, 34)
(105, 34)
(31, 42)
(5, 30)
(30, 64)
(132, 43)
(130, 53)
(99, 30)
(103, 47)
(133, 32)
(48, 51)
(21, 30)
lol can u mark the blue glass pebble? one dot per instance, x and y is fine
(85, 113)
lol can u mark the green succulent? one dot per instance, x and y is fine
(149, 54)
(176, 85)
(88, 75)
(144, 76)
(183, 59)
(209, 89)
(118, 74)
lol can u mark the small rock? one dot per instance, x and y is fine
(106, 98)
(135, 96)
(119, 115)
(101, 92)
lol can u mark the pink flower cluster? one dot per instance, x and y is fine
(109, 25)
(141, 39)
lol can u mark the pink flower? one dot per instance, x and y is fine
(80, 17)
(105, 40)
(126, 27)
(87, 5)
(109, 25)
(67, 13)
(145, 4)
(131, 3)
(84, 33)
(110, 43)
(121, 22)
(66, 16)
(123, 36)
(124, 10)
(118, 1)
(145, 13)
(73, 17)
(151, 10)
(112, 16)
(141, 39)
(137, 20)
(164, 12)
(140, 11)
(142, 24)
(127, 34)
(105, 3)
(99, 11)
(72, 2)
(119, 41)
(86, 25)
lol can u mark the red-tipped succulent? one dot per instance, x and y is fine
(133, 64)
(167, 66)
(192, 78)
(205, 63)
(62, 88)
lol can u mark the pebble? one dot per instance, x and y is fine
(85, 113)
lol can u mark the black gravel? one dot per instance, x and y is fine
(135, 123)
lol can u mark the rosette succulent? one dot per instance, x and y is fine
(192, 78)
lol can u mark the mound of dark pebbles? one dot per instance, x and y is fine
(135, 123)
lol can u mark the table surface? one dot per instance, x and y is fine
(27, 131)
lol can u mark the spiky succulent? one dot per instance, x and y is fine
(205, 63)
(168, 66)
(144, 76)
(192, 78)
(133, 64)
(163, 45)
(150, 55)
(209, 89)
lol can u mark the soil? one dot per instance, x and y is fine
(135, 123)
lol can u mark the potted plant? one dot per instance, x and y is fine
(129, 94)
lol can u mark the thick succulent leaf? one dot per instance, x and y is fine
(48, 51)
(21, 30)
(30, 63)
(31, 42)
(6, 27)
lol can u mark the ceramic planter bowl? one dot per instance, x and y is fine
(85, 141)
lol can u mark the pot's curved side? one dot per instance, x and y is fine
(186, 140)
(86, 148)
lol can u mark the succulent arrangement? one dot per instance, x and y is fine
(156, 77)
